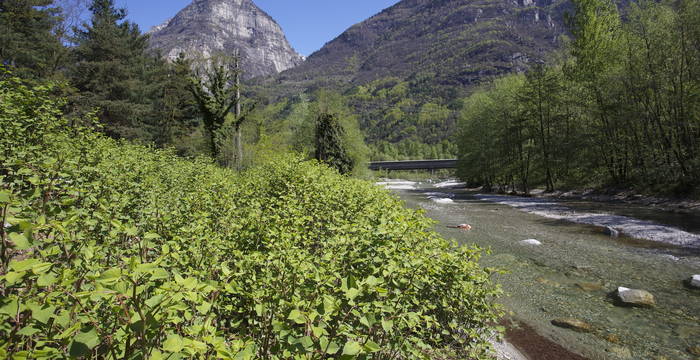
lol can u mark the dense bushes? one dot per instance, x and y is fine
(112, 250)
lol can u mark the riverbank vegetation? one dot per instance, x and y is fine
(620, 107)
(114, 250)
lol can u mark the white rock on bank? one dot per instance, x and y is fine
(694, 281)
(635, 297)
(531, 242)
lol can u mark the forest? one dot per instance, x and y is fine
(618, 107)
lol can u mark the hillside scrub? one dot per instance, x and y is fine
(112, 250)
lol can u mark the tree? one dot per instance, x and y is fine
(217, 90)
(330, 147)
(174, 108)
(112, 71)
(28, 41)
(541, 103)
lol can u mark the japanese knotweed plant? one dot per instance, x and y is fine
(116, 251)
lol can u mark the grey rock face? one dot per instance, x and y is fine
(208, 27)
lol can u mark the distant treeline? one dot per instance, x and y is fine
(619, 107)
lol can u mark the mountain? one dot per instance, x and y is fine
(458, 42)
(406, 69)
(206, 27)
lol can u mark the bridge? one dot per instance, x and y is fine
(414, 165)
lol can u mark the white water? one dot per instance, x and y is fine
(635, 228)
(449, 184)
(397, 184)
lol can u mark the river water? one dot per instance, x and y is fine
(577, 266)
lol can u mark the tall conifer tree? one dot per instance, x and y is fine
(28, 42)
(111, 71)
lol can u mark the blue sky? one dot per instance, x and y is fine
(308, 23)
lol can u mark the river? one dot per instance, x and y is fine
(577, 267)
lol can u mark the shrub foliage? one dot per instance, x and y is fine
(112, 250)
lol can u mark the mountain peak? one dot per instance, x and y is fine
(207, 27)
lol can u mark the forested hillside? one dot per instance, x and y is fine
(406, 70)
(621, 108)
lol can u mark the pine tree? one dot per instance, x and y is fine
(112, 69)
(28, 42)
(174, 113)
(330, 147)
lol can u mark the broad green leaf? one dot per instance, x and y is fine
(110, 276)
(84, 342)
(28, 331)
(20, 241)
(352, 348)
(352, 293)
(4, 197)
(42, 314)
(45, 280)
(296, 316)
(13, 277)
(173, 344)
(23, 265)
(9, 307)
(247, 353)
(41, 268)
(371, 346)
(387, 325)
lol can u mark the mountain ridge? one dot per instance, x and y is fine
(206, 27)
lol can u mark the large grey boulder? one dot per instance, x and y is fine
(635, 297)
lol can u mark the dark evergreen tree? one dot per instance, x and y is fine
(174, 113)
(112, 69)
(28, 42)
(330, 147)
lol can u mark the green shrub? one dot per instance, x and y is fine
(112, 250)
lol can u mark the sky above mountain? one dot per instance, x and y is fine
(308, 24)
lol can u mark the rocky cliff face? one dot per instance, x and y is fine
(206, 27)
(452, 42)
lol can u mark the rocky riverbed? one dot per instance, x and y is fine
(568, 280)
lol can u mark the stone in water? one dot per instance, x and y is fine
(573, 324)
(694, 282)
(531, 242)
(634, 297)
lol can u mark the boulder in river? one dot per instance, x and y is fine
(635, 297)
(573, 324)
(531, 242)
(693, 282)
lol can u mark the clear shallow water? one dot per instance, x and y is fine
(543, 282)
